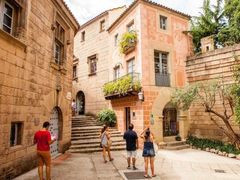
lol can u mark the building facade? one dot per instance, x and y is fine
(157, 61)
(153, 65)
(36, 56)
(91, 62)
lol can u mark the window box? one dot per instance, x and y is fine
(128, 42)
(124, 86)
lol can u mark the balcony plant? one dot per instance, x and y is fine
(128, 42)
(122, 86)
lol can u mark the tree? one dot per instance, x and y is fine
(210, 95)
(210, 22)
(230, 34)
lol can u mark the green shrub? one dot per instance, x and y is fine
(203, 143)
(108, 117)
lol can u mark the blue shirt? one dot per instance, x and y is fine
(130, 136)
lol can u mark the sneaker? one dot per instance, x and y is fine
(134, 168)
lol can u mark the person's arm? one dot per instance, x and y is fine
(142, 134)
(49, 139)
(108, 135)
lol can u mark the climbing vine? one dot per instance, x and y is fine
(236, 89)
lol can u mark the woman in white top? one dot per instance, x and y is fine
(106, 142)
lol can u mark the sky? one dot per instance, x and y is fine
(85, 10)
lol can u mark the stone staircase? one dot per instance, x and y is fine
(175, 145)
(85, 136)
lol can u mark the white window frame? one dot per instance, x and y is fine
(130, 63)
(2, 6)
(163, 25)
(117, 72)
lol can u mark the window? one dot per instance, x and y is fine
(161, 68)
(74, 72)
(130, 26)
(83, 36)
(163, 22)
(16, 133)
(116, 40)
(92, 61)
(59, 43)
(102, 25)
(117, 72)
(130, 66)
(9, 16)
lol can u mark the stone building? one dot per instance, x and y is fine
(211, 64)
(156, 60)
(36, 56)
(91, 63)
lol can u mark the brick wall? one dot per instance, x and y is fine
(28, 85)
(208, 66)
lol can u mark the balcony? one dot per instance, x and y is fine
(162, 79)
(124, 86)
(128, 42)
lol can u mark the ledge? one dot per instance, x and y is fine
(92, 74)
(118, 95)
(12, 39)
(58, 67)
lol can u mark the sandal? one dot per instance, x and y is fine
(105, 161)
(146, 176)
(154, 175)
(111, 159)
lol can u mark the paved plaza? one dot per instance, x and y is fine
(186, 164)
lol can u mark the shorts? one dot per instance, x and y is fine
(148, 153)
(44, 157)
(132, 154)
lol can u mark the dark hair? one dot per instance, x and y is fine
(104, 128)
(46, 124)
(131, 126)
(147, 134)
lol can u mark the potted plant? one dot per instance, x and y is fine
(108, 117)
(178, 138)
(128, 42)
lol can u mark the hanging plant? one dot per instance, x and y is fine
(128, 41)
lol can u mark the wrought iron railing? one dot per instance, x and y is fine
(162, 79)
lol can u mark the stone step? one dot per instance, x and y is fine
(90, 129)
(91, 150)
(185, 146)
(96, 145)
(97, 140)
(176, 143)
(83, 125)
(79, 133)
(93, 137)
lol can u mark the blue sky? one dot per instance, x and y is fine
(87, 9)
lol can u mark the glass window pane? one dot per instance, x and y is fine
(8, 10)
(7, 21)
(7, 29)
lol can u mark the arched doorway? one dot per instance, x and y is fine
(80, 102)
(55, 129)
(170, 123)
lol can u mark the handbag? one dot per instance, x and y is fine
(101, 142)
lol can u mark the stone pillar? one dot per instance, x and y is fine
(157, 128)
(183, 124)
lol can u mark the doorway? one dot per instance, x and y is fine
(170, 123)
(80, 102)
(127, 117)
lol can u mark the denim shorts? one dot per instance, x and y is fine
(148, 153)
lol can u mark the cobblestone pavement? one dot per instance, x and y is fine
(169, 165)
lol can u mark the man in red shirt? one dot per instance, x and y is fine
(43, 140)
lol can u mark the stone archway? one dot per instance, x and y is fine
(80, 102)
(56, 125)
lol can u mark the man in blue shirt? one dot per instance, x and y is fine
(131, 145)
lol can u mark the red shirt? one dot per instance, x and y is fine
(42, 138)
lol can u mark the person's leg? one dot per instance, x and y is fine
(40, 166)
(104, 154)
(146, 166)
(134, 155)
(152, 165)
(47, 161)
(109, 154)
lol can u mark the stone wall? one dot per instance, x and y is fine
(215, 64)
(29, 80)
